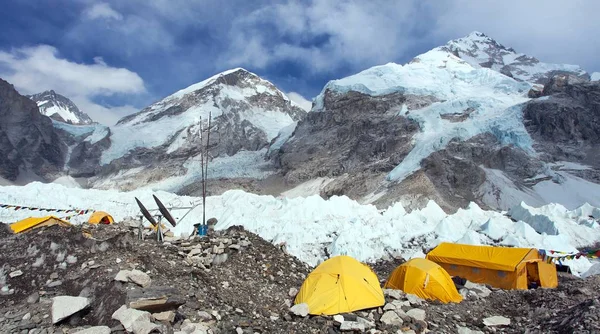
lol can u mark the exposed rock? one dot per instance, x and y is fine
(396, 294)
(168, 316)
(95, 330)
(293, 292)
(300, 309)
(127, 316)
(391, 318)
(496, 321)
(480, 289)
(140, 278)
(416, 313)
(352, 326)
(144, 326)
(15, 273)
(65, 306)
(465, 330)
(338, 319)
(155, 299)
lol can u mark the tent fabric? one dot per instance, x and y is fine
(498, 258)
(101, 217)
(501, 267)
(340, 285)
(425, 279)
(30, 223)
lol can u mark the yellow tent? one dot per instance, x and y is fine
(30, 223)
(101, 217)
(339, 285)
(425, 279)
(501, 267)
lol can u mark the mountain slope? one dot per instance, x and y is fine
(470, 139)
(59, 108)
(29, 145)
(480, 50)
(159, 145)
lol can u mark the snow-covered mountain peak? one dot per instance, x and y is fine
(60, 108)
(480, 50)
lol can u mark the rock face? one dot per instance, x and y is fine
(356, 134)
(28, 141)
(65, 306)
(60, 108)
(566, 124)
(479, 49)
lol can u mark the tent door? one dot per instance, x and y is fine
(533, 274)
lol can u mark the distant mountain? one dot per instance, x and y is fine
(29, 145)
(480, 50)
(60, 108)
(159, 146)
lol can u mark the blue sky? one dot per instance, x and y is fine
(115, 57)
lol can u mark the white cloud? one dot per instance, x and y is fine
(351, 33)
(102, 10)
(35, 69)
(300, 100)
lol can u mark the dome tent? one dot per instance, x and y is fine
(340, 285)
(101, 217)
(425, 279)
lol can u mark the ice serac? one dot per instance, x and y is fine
(60, 108)
(479, 49)
(29, 145)
(159, 146)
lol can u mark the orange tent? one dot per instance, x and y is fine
(501, 267)
(101, 217)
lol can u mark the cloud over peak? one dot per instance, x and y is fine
(35, 69)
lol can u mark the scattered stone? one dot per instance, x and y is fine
(238, 330)
(53, 284)
(352, 326)
(140, 278)
(300, 309)
(155, 299)
(293, 292)
(95, 330)
(15, 273)
(414, 300)
(144, 326)
(71, 259)
(168, 316)
(338, 319)
(65, 306)
(27, 316)
(465, 330)
(204, 316)
(368, 324)
(480, 289)
(393, 293)
(496, 321)
(391, 318)
(127, 316)
(416, 313)
(122, 276)
(33, 298)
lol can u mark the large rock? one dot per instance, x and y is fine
(480, 289)
(496, 321)
(352, 326)
(391, 318)
(300, 309)
(65, 306)
(416, 313)
(155, 299)
(128, 316)
(136, 276)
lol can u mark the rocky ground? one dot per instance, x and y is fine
(56, 280)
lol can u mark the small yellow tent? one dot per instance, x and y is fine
(501, 267)
(101, 217)
(425, 279)
(339, 285)
(31, 223)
